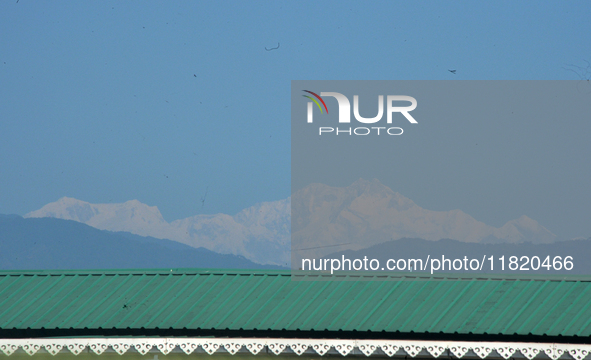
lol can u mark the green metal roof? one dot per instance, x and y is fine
(270, 300)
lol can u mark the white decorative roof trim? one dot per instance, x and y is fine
(412, 348)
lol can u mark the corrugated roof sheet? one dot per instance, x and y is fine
(269, 300)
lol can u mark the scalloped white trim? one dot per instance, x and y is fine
(412, 348)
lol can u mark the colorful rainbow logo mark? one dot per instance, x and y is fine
(317, 97)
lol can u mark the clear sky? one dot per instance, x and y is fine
(162, 102)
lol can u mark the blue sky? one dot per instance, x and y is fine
(162, 101)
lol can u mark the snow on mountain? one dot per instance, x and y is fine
(364, 214)
(368, 213)
(131, 216)
(524, 229)
(259, 233)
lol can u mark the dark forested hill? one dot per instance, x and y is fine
(48, 243)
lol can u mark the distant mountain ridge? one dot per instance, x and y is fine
(365, 213)
(260, 233)
(51, 244)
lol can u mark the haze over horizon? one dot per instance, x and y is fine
(186, 105)
(365, 213)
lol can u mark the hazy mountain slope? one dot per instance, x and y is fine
(259, 233)
(48, 243)
(368, 212)
(361, 214)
